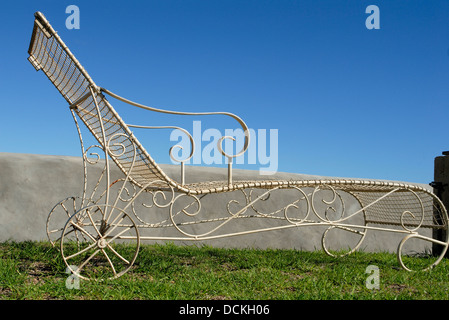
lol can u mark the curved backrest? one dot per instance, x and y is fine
(49, 53)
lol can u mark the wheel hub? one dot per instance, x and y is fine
(102, 243)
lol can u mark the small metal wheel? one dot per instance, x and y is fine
(58, 216)
(93, 243)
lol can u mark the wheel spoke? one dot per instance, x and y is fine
(117, 254)
(87, 260)
(71, 231)
(110, 262)
(65, 209)
(93, 224)
(114, 224)
(55, 230)
(81, 251)
(83, 231)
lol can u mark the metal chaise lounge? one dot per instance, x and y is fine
(91, 229)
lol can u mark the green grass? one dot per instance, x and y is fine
(35, 270)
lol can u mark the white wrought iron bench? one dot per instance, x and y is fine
(91, 229)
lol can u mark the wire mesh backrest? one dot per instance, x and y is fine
(49, 53)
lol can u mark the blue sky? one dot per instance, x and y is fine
(346, 101)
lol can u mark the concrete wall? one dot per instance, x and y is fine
(30, 185)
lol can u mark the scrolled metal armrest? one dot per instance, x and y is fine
(235, 117)
(192, 143)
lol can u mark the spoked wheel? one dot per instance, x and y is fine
(93, 243)
(58, 216)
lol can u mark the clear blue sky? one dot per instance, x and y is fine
(347, 101)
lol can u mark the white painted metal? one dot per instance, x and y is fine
(105, 211)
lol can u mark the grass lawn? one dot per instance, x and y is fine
(35, 271)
